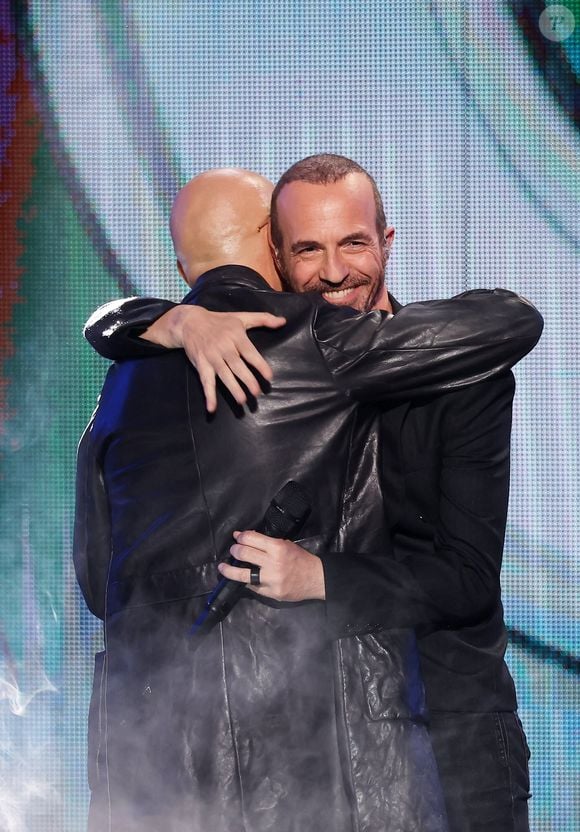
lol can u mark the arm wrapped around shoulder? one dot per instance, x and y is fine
(428, 347)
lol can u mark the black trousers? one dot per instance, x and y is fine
(483, 766)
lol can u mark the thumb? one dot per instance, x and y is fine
(250, 320)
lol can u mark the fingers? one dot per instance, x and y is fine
(231, 372)
(251, 355)
(241, 370)
(234, 573)
(249, 555)
(253, 319)
(287, 572)
(242, 348)
(247, 350)
(207, 378)
(241, 574)
(256, 540)
(216, 343)
(230, 383)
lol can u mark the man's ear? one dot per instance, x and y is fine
(389, 238)
(181, 270)
(273, 250)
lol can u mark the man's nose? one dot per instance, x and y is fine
(334, 269)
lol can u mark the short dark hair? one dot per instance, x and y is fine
(322, 169)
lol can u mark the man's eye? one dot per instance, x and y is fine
(355, 243)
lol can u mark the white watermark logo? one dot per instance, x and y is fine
(557, 22)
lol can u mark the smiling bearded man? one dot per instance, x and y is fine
(345, 259)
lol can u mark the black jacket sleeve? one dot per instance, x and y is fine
(92, 527)
(427, 347)
(113, 330)
(453, 582)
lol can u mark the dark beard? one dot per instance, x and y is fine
(321, 287)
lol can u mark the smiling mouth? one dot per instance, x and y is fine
(336, 294)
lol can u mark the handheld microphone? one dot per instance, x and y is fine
(284, 517)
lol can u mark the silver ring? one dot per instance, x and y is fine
(254, 575)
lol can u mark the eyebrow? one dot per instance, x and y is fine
(361, 235)
(303, 244)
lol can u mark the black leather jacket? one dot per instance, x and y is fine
(272, 723)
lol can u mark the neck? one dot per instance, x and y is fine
(262, 263)
(381, 301)
(255, 254)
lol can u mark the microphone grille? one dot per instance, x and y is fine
(293, 499)
(287, 512)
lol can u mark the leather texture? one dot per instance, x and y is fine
(274, 722)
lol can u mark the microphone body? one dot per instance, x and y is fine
(284, 517)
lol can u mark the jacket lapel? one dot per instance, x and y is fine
(392, 478)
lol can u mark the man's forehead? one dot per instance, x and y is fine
(353, 183)
(301, 203)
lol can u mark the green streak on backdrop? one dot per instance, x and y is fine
(54, 381)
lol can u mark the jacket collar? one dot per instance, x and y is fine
(395, 304)
(227, 276)
(244, 276)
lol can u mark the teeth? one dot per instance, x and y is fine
(340, 293)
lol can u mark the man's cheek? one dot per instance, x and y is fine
(299, 283)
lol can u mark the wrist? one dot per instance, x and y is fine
(317, 580)
(167, 330)
(175, 322)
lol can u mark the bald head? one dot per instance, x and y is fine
(221, 218)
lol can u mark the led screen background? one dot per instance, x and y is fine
(463, 112)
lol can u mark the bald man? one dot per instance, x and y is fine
(270, 723)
